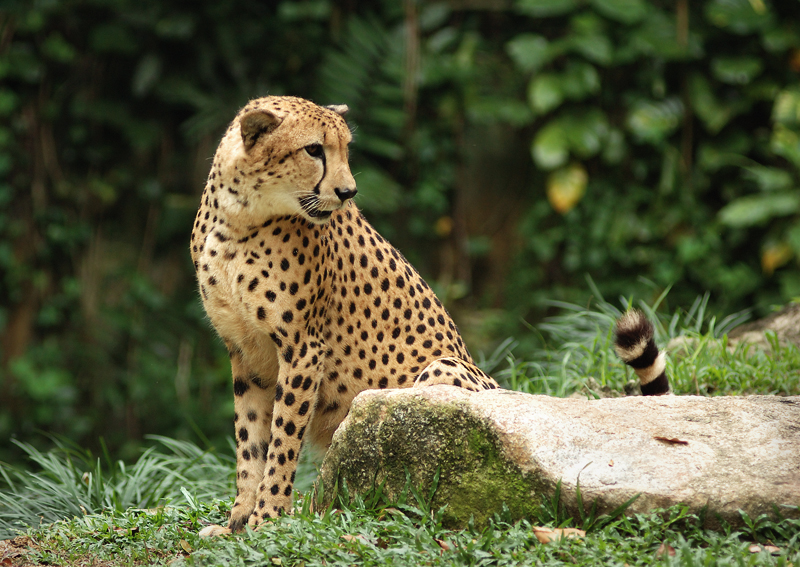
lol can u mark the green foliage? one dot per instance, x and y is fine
(71, 482)
(507, 153)
(714, 367)
(68, 481)
(577, 346)
(365, 535)
(685, 116)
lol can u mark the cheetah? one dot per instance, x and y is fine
(313, 305)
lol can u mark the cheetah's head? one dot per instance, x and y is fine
(283, 156)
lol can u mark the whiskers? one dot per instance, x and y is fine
(311, 204)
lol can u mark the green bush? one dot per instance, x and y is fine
(683, 122)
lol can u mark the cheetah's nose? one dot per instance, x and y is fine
(345, 194)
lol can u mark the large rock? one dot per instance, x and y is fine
(784, 323)
(717, 455)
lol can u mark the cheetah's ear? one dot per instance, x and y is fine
(255, 124)
(340, 109)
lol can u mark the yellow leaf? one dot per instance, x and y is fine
(566, 186)
(185, 545)
(546, 535)
(356, 538)
(774, 256)
(444, 226)
(768, 548)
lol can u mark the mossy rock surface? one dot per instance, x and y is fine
(403, 441)
(507, 449)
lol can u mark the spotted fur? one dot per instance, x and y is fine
(312, 303)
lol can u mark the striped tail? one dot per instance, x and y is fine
(634, 344)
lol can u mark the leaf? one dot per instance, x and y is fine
(377, 191)
(736, 70)
(547, 535)
(580, 80)
(191, 500)
(596, 47)
(544, 8)
(786, 142)
(586, 132)
(614, 149)
(758, 209)
(769, 178)
(625, 11)
(146, 75)
(714, 114)
(8, 103)
(544, 93)
(793, 237)
(787, 107)
(58, 49)
(774, 256)
(176, 26)
(653, 121)
(529, 51)
(355, 539)
(566, 187)
(185, 546)
(739, 16)
(550, 148)
(670, 440)
(657, 36)
(299, 11)
(777, 40)
(768, 548)
(665, 549)
(443, 544)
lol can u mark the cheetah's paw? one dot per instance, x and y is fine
(214, 530)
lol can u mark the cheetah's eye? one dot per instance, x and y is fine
(314, 150)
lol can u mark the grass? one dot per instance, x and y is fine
(366, 534)
(71, 482)
(77, 509)
(577, 345)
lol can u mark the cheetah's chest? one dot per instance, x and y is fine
(261, 285)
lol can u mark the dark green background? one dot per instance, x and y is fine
(684, 117)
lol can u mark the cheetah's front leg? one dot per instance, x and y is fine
(254, 395)
(295, 400)
(252, 419)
